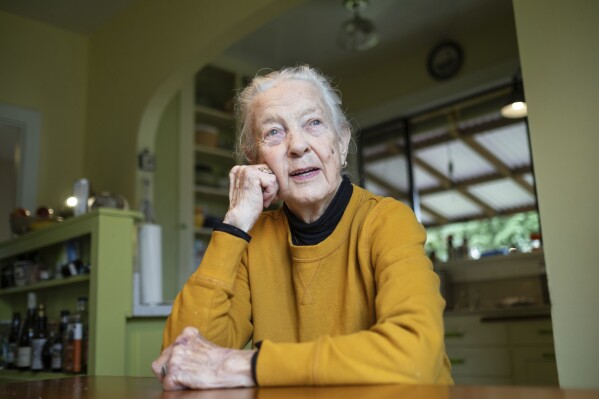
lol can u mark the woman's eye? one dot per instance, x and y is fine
(274, 136)
(315, 122)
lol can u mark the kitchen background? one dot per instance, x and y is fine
(131, 89)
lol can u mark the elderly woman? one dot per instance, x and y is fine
(333, 288)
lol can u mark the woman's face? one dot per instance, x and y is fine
(297, 140)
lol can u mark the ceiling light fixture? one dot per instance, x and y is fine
(357, 34)
(515, 106)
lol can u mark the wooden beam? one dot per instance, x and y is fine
(399, 194)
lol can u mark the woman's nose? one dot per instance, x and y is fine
(298, 144)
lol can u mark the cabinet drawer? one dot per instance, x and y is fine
(480, 362)
(538, 332)
(461, 380)
(535, 366)
(468, 331)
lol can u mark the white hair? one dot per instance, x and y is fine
(246, 139)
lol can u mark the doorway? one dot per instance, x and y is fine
(19, 155)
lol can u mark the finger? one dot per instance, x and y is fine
(169, 384)
(265, 169)
(160, 362)
(190, 331)
(270, 194)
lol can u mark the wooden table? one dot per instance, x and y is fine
(149, 388)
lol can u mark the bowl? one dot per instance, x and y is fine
(19, 224)
(108, 200)
(38, 223)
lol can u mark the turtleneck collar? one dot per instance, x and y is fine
(316, 232)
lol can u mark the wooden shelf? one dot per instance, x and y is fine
(44, 285)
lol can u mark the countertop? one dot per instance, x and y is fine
(516, 312)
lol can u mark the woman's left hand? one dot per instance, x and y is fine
(196, 363)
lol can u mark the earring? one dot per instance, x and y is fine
(344, 165)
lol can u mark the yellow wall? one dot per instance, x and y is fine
(166, 196)
(402, 85)
(45, 69)
(560, 60)
(137, 63)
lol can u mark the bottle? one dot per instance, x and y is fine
(40, 336)
(13, 341)
(75, 353)
(48, 352)
(57, 349)
(73, 345)
(83, 317)
(81, 192)
(464, 250)
(535, 241)
(24, 348)
(5, 327)
(451, 250)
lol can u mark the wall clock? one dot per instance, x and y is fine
(445, 60)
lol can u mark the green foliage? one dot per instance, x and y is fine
(485, 235)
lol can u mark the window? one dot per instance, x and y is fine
(465, 170)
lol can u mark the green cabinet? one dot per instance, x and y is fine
(108, 237)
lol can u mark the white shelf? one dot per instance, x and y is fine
(214, 151)
(214, 113)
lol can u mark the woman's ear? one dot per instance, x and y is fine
(344, 139)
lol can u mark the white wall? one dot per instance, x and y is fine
(559, 53)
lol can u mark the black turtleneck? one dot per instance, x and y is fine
(314, 233)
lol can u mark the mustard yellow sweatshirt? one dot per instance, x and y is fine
(361, 307)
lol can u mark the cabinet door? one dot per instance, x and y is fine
(480, 362)
(535, 366)
(538, 332)
(468, 330)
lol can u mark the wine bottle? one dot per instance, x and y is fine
(48, 350)
(13, 341)
(57, 346)
(24, 348)
(83, 317)
(72, 345)
(40, 336)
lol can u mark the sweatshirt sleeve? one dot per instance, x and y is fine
(405, 345)
(216, 297)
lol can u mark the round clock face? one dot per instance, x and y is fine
(445, 60)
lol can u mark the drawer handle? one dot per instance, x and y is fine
(457, 361)
(548, 355)
(545, 331)
(454, 334)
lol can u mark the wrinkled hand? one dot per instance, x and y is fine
(251, 189)
(194, 362)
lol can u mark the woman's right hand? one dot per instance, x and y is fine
(251, 189)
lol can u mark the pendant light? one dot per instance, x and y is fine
(515, 106)
(357, 34)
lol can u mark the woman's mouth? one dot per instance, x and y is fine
(304, 173)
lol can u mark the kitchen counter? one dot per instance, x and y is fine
(512, 313)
